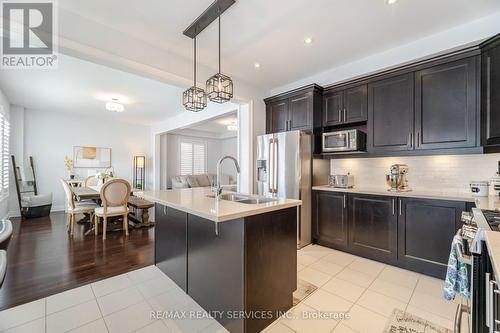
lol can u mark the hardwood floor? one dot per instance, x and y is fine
(43, 260)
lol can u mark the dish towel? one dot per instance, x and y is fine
(457, 280)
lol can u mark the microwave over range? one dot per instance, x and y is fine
(344, 141)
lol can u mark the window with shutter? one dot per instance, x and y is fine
(193, 157)
(4, 155)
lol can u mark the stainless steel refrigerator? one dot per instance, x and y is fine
(284, 171)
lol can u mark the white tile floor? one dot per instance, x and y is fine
(369, 291)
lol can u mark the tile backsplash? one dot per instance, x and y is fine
(447, 173)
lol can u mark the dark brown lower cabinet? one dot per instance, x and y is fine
(411, 233)
(373, 226)
(425, 231)
(330, 219)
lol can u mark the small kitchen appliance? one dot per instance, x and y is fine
(397, 178)
(341, 181)
(344, 141)
(479, 188)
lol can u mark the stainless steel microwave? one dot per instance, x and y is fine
(344, 141)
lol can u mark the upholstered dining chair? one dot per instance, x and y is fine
(91, 181)
(72, 208)
(114, 197)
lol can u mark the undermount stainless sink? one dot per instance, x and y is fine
(241, 198)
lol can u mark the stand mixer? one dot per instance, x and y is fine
(397, 178)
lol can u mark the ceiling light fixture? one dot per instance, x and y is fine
(194, 99)
(391, 2)
(256, 65)
(114, 106)
(308, 40)
(219, 87)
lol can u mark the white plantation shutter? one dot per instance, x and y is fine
(4, 155)
(193, 157)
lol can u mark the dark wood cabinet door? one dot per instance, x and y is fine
(390, 114)
(446, 105)
(490, 97)
(333, 108)
(373, 225)
(330, 219)
(300, 112)
(171, 252)
(278, 114)
(426, 229)
(355, 104)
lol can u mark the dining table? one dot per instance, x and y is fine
(86, 192)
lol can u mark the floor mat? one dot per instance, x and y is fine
(403, 322)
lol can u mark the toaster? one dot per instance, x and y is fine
(342, 181)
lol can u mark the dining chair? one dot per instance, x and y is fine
(91, 181)
(114, 197)
(72, 208)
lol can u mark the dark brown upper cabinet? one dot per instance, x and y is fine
(390, 114)
(446, 108)
(295, 110)
(490, 94)
(345, 106)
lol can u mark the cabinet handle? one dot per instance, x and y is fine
(411, 140)
(164, 210)
(344, 201)
(418, 139)
(400, 207)
(340, 115)
(345, 114)
(393, 206)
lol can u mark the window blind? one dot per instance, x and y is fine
(4, 155)
(193, 157)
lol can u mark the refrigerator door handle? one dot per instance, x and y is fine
(275, 182)
(270, 173)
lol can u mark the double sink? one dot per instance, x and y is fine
(242, 198)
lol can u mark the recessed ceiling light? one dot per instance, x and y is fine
(256, 65)
(114, 106)
(308, 40)
(391, 2)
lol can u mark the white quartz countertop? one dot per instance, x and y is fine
(195, 201)
(491, 202)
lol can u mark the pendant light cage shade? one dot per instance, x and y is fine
(194, 99)
(219, 88)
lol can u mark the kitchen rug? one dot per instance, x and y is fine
(304, 289)
(403, 322)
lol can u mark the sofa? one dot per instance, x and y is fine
(203, 180)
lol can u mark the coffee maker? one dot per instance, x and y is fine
(397, 178)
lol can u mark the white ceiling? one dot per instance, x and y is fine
(214, 128)
(83, 87)
(272, 32)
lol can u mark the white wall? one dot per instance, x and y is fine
(5, 110)
(461, 35)
(446, 173)
(48, 137)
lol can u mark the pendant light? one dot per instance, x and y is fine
(219, 86)
(194, 99)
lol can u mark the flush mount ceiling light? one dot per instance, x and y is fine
(256, 65)
(194, 99)
(308, 40)
(391, 2)
(219, 86)
(114, 106)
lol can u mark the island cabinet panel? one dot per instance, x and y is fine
(390, 114)
(170, 243)
(446, 105)
(330, 219)
(426, 229)
(373, 225)
(216, 267)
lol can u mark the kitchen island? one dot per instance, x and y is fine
(236, 258)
